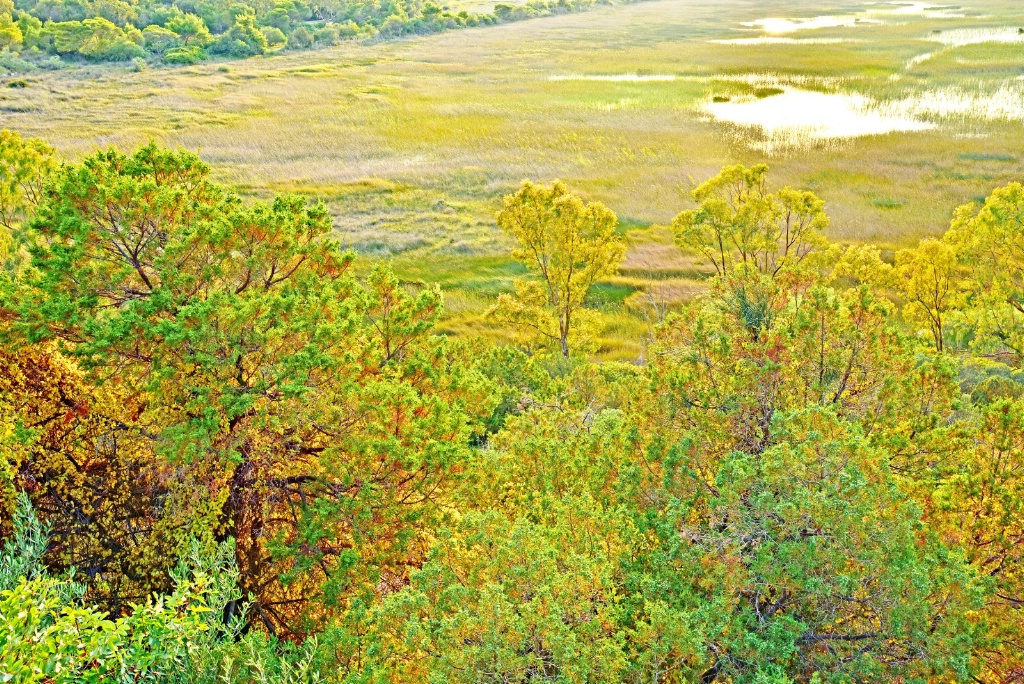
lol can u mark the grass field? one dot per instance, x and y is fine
(413, 143)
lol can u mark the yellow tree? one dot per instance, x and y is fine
(931, 280)
(571, 244)
(990, 241)
(24, 167)
(739, 221)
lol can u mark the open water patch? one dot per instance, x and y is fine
(797, 118)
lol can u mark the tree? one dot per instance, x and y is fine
(279, 400)
(979, 505)
(738, 221)
(932, 281)
(243, 39)
(191, 29)
(160, 40)
(24, 168)
(989, 241)
(97, 39)
(570, 244)
(11, 36)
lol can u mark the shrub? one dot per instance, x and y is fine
(300, 38)
(274, 36)
(185, 55)
(328, 35)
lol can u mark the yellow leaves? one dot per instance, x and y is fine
(933, 282)
(24, 166)
(863, 265)
(738, 223)
(571, 245)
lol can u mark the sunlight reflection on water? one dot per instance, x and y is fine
(798, 118)
(962, 37)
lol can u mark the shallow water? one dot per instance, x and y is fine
(917, 8)
(1003, 104)
(781, 25)
(799, 118)
(874, 14)
(961, 37)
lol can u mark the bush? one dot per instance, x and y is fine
(300, 39)
(394, 26)
(274, 36)
(185, 55)
(328, 35)
(181, 637)
(12, 62)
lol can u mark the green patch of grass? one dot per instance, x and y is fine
(609, 295)
(974, 156)
(887, 203)
(762, 93)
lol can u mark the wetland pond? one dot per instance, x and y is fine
(796, 118)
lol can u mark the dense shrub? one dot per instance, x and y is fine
(185, 55)
(300, 38)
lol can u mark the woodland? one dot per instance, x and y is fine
(48, 34)
(229, 455)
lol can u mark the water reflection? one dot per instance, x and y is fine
(799, 118)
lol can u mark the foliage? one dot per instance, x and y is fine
(49, 635)
(739, 221)
(796, 486)
(569, 244)
(987, 240)
(237, 341)
(24, 165)
(122, 30)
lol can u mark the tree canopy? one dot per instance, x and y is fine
(229, 453)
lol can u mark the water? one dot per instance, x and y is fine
(779, 40)
(799, 118)
(962, 37)
(780, 25)
(874, 14)
(1005, 103)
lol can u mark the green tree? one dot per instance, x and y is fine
(191, 29)
(571, 245)
(309, 417)
(243, 39)
(159, 39)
